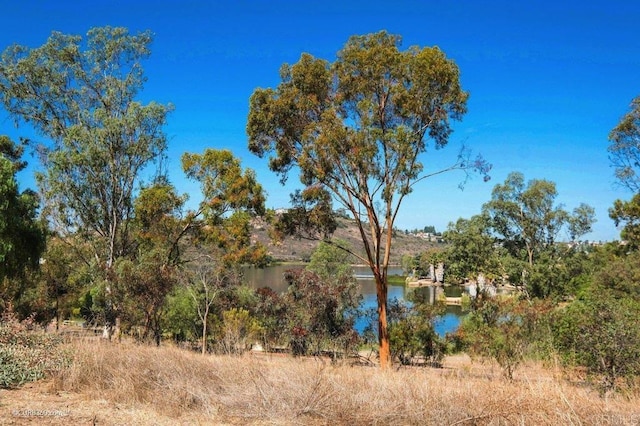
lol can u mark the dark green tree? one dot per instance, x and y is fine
(356, 130)
(471, 249)
(599, 332)
(22, 236)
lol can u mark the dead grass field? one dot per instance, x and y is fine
(129, 384)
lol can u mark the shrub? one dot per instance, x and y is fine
(239, 331)
(25, 354)
(600, 332)
(505, 329)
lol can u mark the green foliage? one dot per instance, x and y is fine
(331, 260)
(321, 313)
(356, 129)
(232, 197)
(422, 262)
(505, 329)
(627, 213)
(82, 97)
(27, 355)
(181, 319)
(272, 310)
(471, 249)
(600, 332)
(239, 330)
(527, 224)
(624, 148)
(412, 332)
(22, 237)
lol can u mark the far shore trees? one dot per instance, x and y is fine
(355, 129)
(526, 221)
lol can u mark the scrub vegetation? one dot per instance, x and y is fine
(144, 301)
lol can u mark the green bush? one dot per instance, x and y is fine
(26, 355)
(600, 332)
(506, 329)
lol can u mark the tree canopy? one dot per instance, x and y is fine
(22, 236)
(356, 129)
(624, 148)
(81, 96)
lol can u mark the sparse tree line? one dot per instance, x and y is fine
(109, 238)
(557, 300)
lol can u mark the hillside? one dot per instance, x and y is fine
(296, 250)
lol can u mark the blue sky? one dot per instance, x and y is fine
(548, 81)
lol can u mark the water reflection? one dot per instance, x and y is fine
(272, 277)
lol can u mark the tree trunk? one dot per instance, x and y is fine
(383, 331)
(204, 331)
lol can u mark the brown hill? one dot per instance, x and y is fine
(293, 249)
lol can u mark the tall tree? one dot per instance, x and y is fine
(356, 130)
(22, 237)
(527, 221)
(471, 249)
(81, 96)
(624, 148)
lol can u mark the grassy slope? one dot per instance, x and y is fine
(131, 384)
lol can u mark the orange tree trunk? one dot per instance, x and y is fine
(383, 331)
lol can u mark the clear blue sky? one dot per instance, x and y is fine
(548, 81)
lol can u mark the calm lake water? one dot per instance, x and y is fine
(272, 277)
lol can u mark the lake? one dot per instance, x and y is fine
(272, 277)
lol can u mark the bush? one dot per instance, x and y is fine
(505, 329)
(238, 331)
(600, 332)
(26, 355)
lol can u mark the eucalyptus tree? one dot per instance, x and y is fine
(231, 198)
(471, 249)
(80, 96)
(624, 148)
(627, 213)
(356, 130)
(527, 221)
(624, 154)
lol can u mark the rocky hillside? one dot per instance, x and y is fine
(296, 250)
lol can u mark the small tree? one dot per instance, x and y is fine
(205, 283)
(320, 312)
(412, 331)
(239, 329)
(505, 329)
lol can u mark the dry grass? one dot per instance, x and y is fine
(191, 388)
